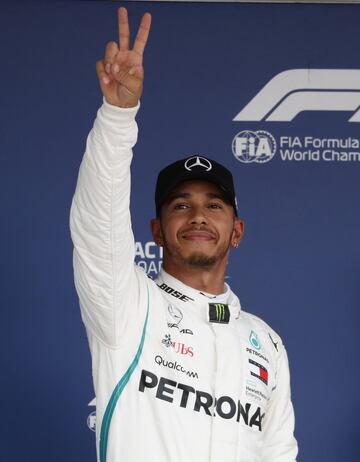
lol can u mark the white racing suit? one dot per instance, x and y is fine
(179, 376)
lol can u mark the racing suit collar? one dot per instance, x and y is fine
(194, 297)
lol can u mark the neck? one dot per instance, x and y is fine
(210, 280)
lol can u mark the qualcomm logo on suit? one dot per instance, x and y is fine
(288, 94)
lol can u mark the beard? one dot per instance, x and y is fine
(196, 259)
(200, 260)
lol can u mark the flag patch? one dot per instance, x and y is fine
(259, 371)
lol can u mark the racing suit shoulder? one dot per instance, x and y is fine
(110, 289)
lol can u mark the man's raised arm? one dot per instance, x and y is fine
(100, 222)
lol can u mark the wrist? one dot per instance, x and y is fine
(115, 112)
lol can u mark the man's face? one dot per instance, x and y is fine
(196, 226)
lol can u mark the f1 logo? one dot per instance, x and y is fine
(297, 90)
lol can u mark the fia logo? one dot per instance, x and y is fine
(254, 146)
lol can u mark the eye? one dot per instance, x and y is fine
(180, 206)
(215, 205)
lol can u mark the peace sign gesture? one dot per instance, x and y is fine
(121, 73)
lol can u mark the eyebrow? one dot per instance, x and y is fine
(185, 195)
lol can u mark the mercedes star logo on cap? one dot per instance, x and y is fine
(197, 161)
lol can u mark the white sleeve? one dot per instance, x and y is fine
(105, 277)
(280, 443)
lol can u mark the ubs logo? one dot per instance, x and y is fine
(179, 347)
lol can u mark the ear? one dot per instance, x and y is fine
(156, 231)
(238, 232)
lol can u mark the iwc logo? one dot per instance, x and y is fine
(197, 161)
(258, 146)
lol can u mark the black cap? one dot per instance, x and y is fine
(194, 168)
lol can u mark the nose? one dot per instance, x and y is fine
(198, 216)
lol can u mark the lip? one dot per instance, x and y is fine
(197, 236)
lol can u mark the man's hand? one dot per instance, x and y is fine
(121, 73)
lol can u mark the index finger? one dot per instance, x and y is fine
(142, 34)
(124, 30)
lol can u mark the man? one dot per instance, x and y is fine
(181, 373)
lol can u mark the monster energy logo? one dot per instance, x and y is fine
(219, 312)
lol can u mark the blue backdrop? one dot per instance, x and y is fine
(298, 265)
